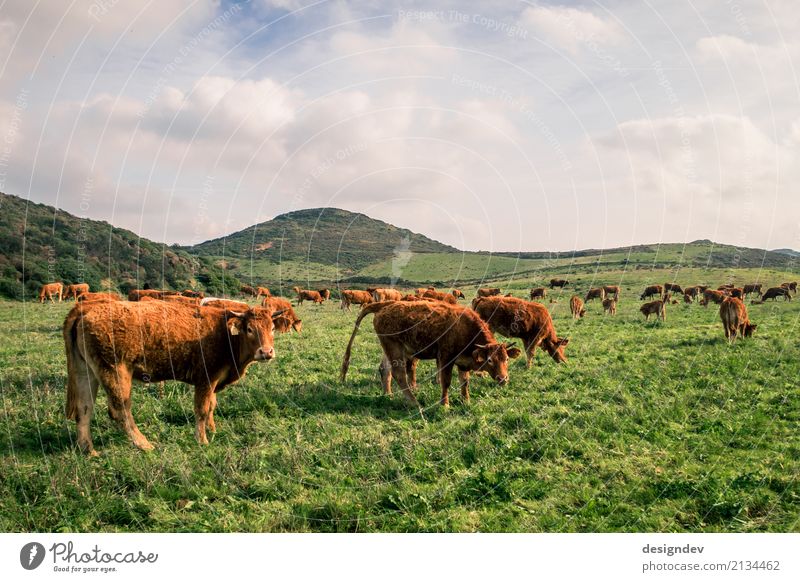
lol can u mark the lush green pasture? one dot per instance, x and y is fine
(648, 427)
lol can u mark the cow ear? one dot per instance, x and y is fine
(563, 341)
(233, 326)
(234, 321)
(514, 352)
(479, 355)
(277, 314)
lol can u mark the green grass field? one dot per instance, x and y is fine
(648, 427)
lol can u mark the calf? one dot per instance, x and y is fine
(355, 297)
(612, 290)
(440, 296)
(673, 288)
(576, 307)
(284, 316)
(710, 295)
(692, 293)
(651, 290)
(753, 288)
(452, 335)
(191, 293)
(734, 318)
(76, 290)
(308, 295)
(790, 286)
(659, 308)
(111, 343)
(530, 322)
(386, 295)
(598, 293)
(325, 294)
(50, 289)
(775, 292)
(558, 283)
(248, 290)
(610, 306)
(538, 293)
(488, 292)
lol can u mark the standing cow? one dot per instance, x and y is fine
(610, 306)
(538, 293)
(710, 295)
(488, 292)
(657, 308)
(76, 290)
(576, 307)
(308, 295)
(355, 297)
(558, 283)
(612, 290)
(651, 290)
(775, 292)
(735, 321)
(598, 293)
(50, 289)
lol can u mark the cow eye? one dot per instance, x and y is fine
(489, 360)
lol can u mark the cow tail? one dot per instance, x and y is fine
(366, 310)
(70, 333)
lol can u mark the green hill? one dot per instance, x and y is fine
(39, 243)
(326, 236)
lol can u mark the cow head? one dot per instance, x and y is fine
(493, 359)
(749, 329)
(582, 312)
(556, 348)
(457, 293)
(253, 330)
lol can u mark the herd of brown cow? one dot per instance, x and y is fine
(209, 342)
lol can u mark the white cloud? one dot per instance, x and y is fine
(571, 29)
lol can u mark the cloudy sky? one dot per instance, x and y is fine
(489, 125)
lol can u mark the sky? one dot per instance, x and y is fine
(498, 126)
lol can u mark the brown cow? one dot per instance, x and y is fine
(325, 294)
(612, 290)
(219, 303)
(76, 290)
(710, 295)
(285, 319)
(178, 299)
(659, 308)
(702, 288)
(457, 293)
(452, 335)
(530, 322)
(673, 287)
(576, 307)
(50, 289)
(421, 290)
(538, 293)
(775, 292)
(558, 283)
(113, 342)
(753, 288)
(411, 297)
(692, 293)
(387, 294)
(85, 297)
(308, 295)
(191, 293)
(734, 319)
(598, 293)
(651, 290)
(488, 292)
(248, 290)
(687, 298)
(355, 297)
(263, 291)
(137, 294)
(610, 306)
(440, 296)
(790, 286)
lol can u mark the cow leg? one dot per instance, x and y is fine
(87, 384)
(202, 409)
(399, 373)
(445, 378)
(530, 351)
(386, 375)
(411, 372)
(118, 388)
(212, 406)
(463, 380)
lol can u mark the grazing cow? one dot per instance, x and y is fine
(452, 335)
(263, 292)
(488, 292)
(753, 288)
(610, 306)
(325, 294)
(692, 293)
(725, 286)
(50, 289)
(248, 290)
(659, 308)
(710, 295)
(538, 293)
(137, 294)
(440, 296)
(597, 293)
(76, 290)
(285, 319)
(422, 290)
(85, 297)
(355, 297)
(530, 322)
(775, 292)
(790, 286)
(191, 293)
(673, 287)
(576, 307)
(558, 283)
(612, 290)
(734, 318)
(113, 342)
(651, 290)
(387, 294)
(307, 295)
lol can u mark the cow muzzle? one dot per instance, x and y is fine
(265, 354)
(502, 380)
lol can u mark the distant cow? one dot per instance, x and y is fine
(530, 322)
(651, 290)
(325, 293)
(710, 295)
(248, 290)
(111, 343)
(284, 317)
(422, 290)
(775, 292)
(612, 290)
(86, 297)
(610, 306)
(219, 303)
(308, 295)
(50, 289)
(576, 307)
(753, 288)
(387, 294)
(488, 292)
(702, 288)
(673, 288)
(440, 296)
(538, 293)
(692, 293)
(191, 293)
(263, 292)
(452, 335)
(790, 286)
(137, 294)
(659, 308)
(597, 293)
(458, 294)
(355, 297)
(734, 319)
(558, 283)
(76, 290)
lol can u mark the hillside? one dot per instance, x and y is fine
(326, 236)
(39, 243)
